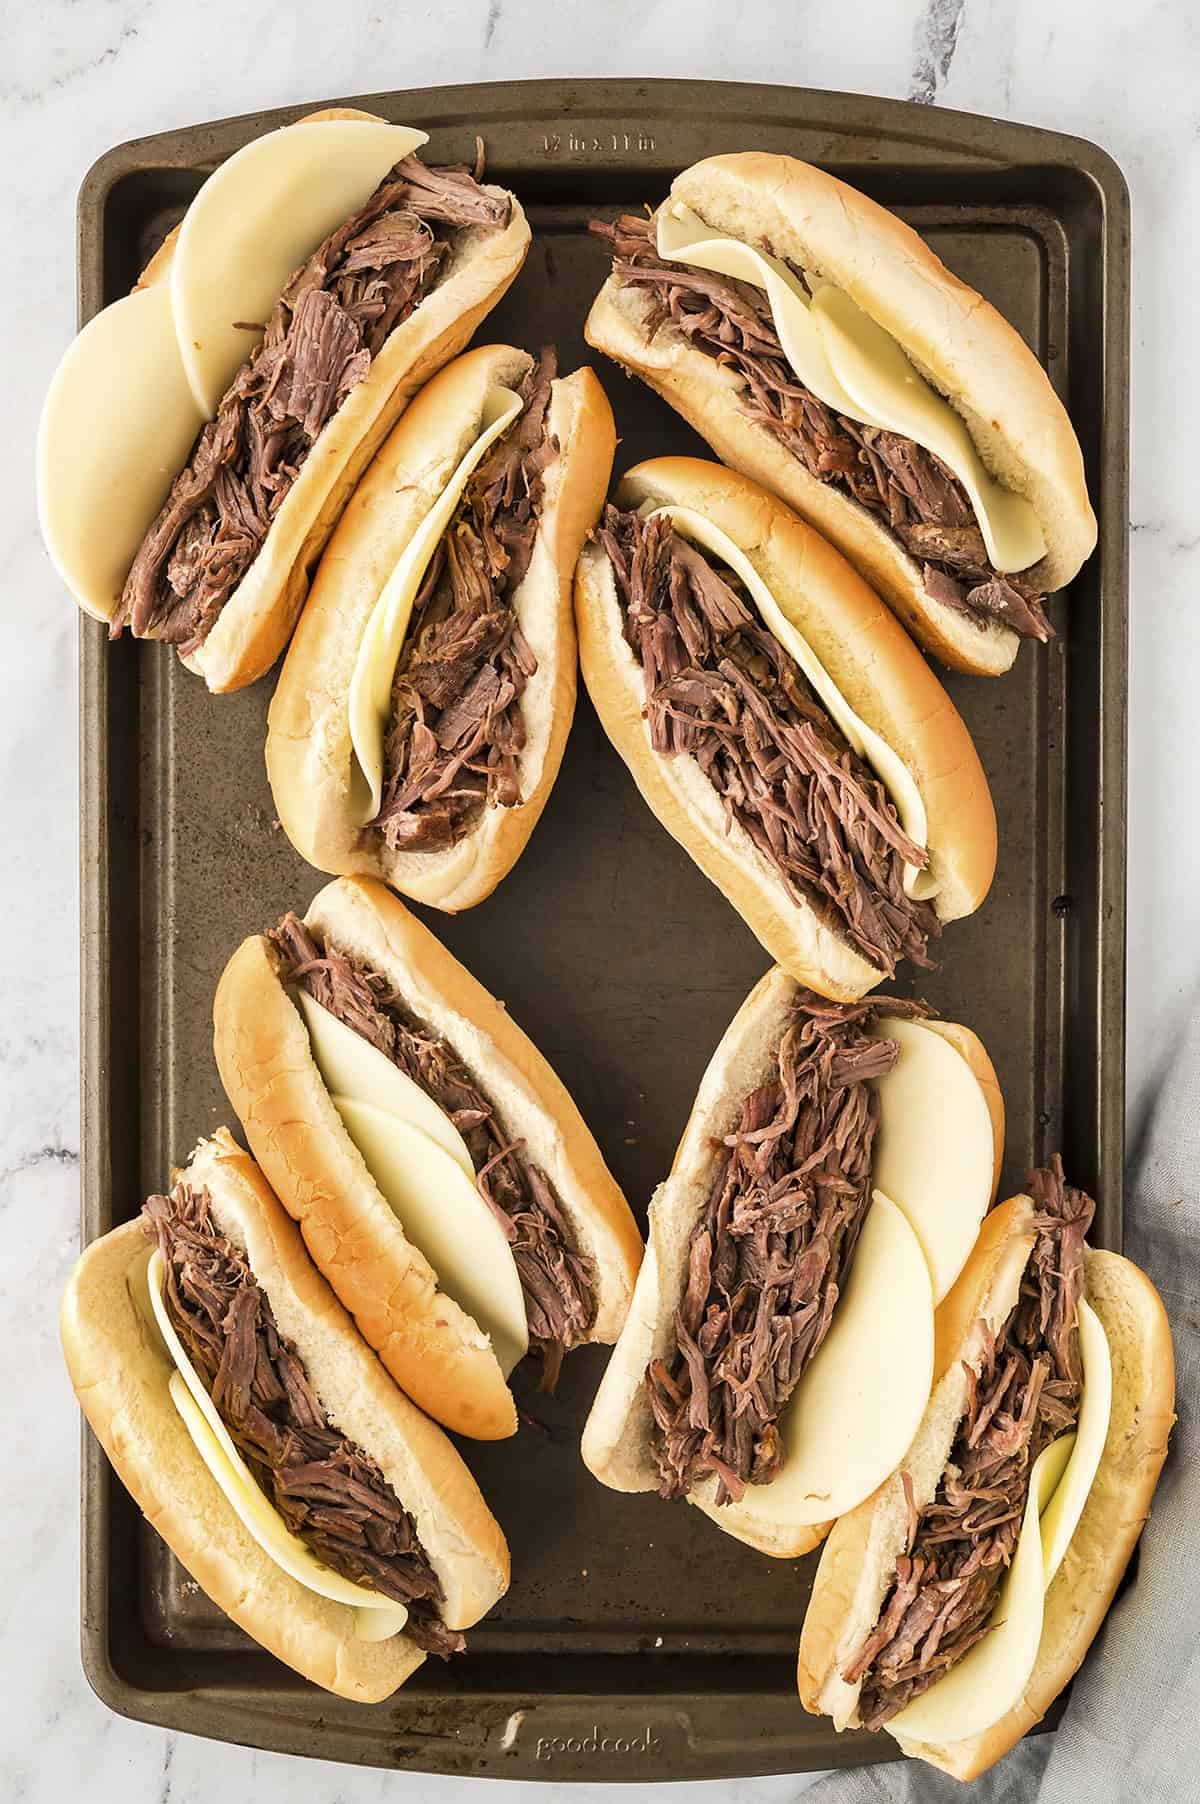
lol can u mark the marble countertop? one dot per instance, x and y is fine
(79, 75)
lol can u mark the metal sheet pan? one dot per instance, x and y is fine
(636, 1642)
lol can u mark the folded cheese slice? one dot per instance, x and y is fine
(888, 766)
(376, 1617)
(855, 366)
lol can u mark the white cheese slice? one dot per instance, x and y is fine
(257, 218)
(376, 1618)
(351, 1066)
(986, 1682)
(888, 766)
(934, 1151)
(1062, 1513)
(856, 367)
(858, 1405)
(381, 643)
(115, 431)
(444, 1215)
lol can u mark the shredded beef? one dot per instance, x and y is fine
(329, 1492)
(721, 687)
(326, 329)
(559, 1302)
(457, 730)
(905, 486)
(1026, 1395)
(773, 1250)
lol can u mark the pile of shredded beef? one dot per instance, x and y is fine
(327, 327)
(960, 1545)
(456, 727)
(559, 1304)
(773, 1250)
(905, 486)
(328, 1491)
(721, 687)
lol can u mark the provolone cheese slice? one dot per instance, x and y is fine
(934, 1150)
(376, 1617)
(116, 429)
(381, 644)
(442, 1213)
(986, 1682)
(257, 218)
(1062, 1513)
(351, 1066)
(888, 766)
(856, 367)
(887, 391)
(860, 1402)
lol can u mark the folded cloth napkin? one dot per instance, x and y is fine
(1132, 1728)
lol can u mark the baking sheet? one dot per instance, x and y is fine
(637, 1642)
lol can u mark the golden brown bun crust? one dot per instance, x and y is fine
(873, 662)
(257, 620)
(966, 349)
(859, 1557)
(120, 1370)
(1116, 1511)
(310, 758)
(433, 1349)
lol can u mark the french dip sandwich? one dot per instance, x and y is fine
(955, 1604)
(444, 1181)
(265, 1443)
(422, 710)
(827, 1190)
(822, 348)
(782, 725)
(320, 276)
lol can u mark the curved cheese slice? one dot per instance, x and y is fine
(986, 1682)
(257, 218)
(116, 429)
(376, 1618)
(934, 1151)
(888, 766)
(856, 367)
(351, 1066)
(1063, 1511)
(857, 1407)
(443, 1213)
(379, 650)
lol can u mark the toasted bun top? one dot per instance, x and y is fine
(957, 341)
(120, 1371)
(866, 652)
(310, 757)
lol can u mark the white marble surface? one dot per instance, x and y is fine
(79, 75)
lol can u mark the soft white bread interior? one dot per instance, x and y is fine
(434, 1350)
(858, 1562)
(255, 623)
(120, 1370)
(874, 664)
(618, 1435)
(310, 758)
(957, 341)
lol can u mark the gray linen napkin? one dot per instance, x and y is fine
(1132, 1727)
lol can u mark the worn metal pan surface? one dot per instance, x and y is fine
(636, 1642)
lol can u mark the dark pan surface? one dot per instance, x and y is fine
(637, 1642)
